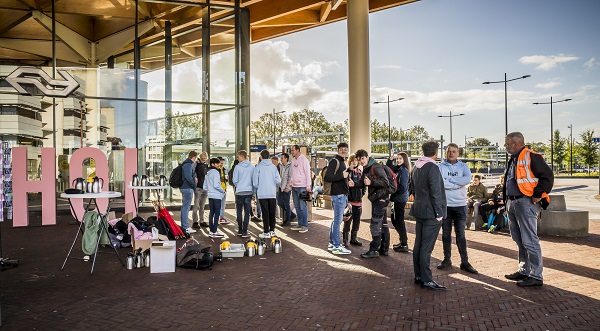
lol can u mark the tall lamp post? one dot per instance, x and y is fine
(405, 130)
(571, 147)
(450, 116)
(506, 104)
(551, 128)
(389, 122)
(466, 144)
(274, 142)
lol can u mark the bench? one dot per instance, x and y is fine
(557, 220)
(323, 201)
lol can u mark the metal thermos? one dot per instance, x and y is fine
(277, 246)
(147, 258)
(135, 180)
(79, 184)
(145, 181)
(139, 260)
(130, 261)
(162, 180)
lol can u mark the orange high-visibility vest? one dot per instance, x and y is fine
(526, 180)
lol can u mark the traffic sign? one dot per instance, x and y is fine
(597, 140)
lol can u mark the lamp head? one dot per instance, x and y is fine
(568, 99)
(485, 83)
(526, 76)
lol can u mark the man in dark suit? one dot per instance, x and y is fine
(429, 209)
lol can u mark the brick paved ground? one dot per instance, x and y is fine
(304, 288)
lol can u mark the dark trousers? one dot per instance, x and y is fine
(457, 217)
(243, 202)
(485, 208)
(426, 233)
(356, 212)
(283, 201)
(380, 231)
(214, 213)
(267, 206)
(398, 222)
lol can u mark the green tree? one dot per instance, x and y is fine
(587, 149)
(266, 128)
(307, 122)
(560, 149)
(185, 126)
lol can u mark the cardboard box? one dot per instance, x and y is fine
(143, 244)
(127, 217)
(162, 256)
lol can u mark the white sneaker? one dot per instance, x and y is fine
(215, 235)
(304, 229)
(297, 228)
(340, 250)
(266, 235)
(330, 247)
(272, 233)
(190, 231)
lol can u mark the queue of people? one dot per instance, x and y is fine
(441, 193)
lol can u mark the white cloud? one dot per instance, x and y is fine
(549, 84)
(591, 64)
(547, 62)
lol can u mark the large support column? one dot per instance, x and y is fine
(358, 89)
(242, 72)
(206, 78)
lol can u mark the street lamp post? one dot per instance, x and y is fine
(505, 81)
(450, 116)
(274, 142)
(551, 128)
(571, 147)
(466, 144)
(401, 137)
(389, 121)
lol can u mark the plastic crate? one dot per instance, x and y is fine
(235, 250)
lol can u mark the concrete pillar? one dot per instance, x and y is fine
(359, 82)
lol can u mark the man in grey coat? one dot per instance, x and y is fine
(429, 209)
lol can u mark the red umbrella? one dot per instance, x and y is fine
(164, 214)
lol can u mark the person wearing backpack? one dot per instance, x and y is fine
(374, 177)
(456, 175)
(212, 184)
(400, 198)
(337, 175)
(187, 189)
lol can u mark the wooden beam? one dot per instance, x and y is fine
(268, 10)
(298, 18)
(325, 10)
(10, 19)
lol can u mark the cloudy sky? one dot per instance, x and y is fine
(436, 54)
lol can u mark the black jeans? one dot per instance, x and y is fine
(485, 208)
(243, 202)
(398, 222)
(356, 212)
(379, 227)
(457, 217)
(426, 232)
(267, 206)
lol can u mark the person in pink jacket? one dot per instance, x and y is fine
(300, 185)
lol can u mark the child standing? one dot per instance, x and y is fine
(216, 193)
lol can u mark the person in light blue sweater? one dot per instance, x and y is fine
(212, 183)
(457, 176)
(266, 179)
(242, 181)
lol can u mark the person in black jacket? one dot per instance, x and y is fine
(402, 170)
(337, 175)
(375, 178)
(200, 194)
(429, 209)
(355, 196)
(527, 182)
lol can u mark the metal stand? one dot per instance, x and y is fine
(103, 223)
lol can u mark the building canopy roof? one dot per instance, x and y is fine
(89, 32)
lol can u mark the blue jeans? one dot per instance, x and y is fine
(301, 208)
(245, 202)
(187, 194)
(283, 201)
(522, 216)
(316, 191)
(457, 217)
(339, 203)
(213, 214)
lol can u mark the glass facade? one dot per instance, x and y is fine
(154, 99)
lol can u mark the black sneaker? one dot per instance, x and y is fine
(401, 248)
(369, 254)
(445, 264)
(527, 282)
(196, 225)
(515, 276)
(204, 224)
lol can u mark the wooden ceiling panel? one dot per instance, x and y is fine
(11, 18)
(29, 29)
(83, 25)
(106, 27)
(13, 4)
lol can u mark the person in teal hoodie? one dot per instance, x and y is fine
(212, 183)
(242, 181)
(266, 179)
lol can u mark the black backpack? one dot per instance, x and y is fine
(195, 257)
(176, 177)
(391, 177)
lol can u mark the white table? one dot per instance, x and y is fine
(104, 224)
(156, 188)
